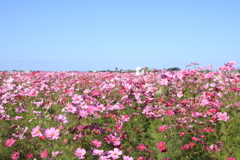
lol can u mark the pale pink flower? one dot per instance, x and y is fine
(17, 118)
(164, 82)
(114, 154)
(9, 142)
(204, 102)
(97, 152)
(116, 141)
(127, 158)
(83, 113)
(180, 94)
(61, 118)
(80, 152)
(232, 63)
(52, 133)
(104, 158)
(36, 132)
(70, 108)
(125, 118)
(77, 99)
(222, 116)
(55, 154)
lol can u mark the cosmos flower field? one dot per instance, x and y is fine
(163, 115)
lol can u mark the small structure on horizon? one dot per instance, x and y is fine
(27, 71)
(138, 71)
(144, 71)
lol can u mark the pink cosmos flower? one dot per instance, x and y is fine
(231, 158)
(52, 133)
(141, 147)
(80, 152)
(55, 154)
(116, 141)
(97, 152)
(182, 134)
(44, 154)
(204, 102)
(162, 128)
(195, 139)
(17, 118)
(9, 142)
(185, 147)
(127, 158)
(77, 99)
(207, 149)
(70, 108)
(95, 93)
(61, 118)
(169, 112)
(215, 148)
(202, 136)
(36, 131)
(15, 155)
(104, 158)
(125, 118)
(83, 113)
(232, 63)
(162, 146)
(78, 136)
(90, 109)
(114, 154)
(80, 127)
(97, 143)
(30, 155)
(164, 82)
(141, 158)
(222, 116)
(42, 137)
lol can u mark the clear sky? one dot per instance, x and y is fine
(84, 35)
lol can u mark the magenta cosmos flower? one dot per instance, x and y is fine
(10, 142)
(161, 145)
(97, 143)
(44, 154)
(162, 128)
(52, 133)
(169, 112)
(141, 147)
(15, 155)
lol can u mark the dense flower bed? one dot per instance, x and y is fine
(189, 114)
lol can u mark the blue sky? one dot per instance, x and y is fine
(84, 35)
